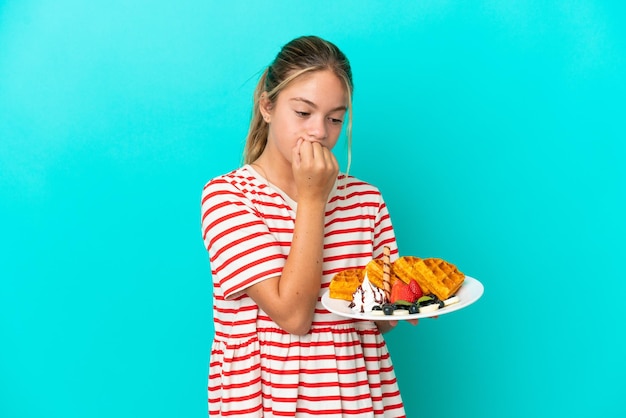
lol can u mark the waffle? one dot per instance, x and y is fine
(434, 275)
(345, 283)
(375, 273)
(406, 268)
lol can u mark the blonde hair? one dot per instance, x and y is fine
(302, 55)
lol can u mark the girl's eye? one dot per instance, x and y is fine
(336, 121)
(302, 114)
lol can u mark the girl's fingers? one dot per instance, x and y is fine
(330, 158)
(305, 151)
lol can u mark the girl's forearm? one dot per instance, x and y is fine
(300, 281)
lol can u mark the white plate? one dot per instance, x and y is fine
(471, 290)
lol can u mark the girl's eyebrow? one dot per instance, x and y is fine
(313, 105)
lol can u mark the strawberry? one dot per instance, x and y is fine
(401, 291)
(416, 289)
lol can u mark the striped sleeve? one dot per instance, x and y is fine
(242, 249)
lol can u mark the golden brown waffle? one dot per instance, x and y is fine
(375, 273)
(345, 283)
(406, 268)
(434, 275)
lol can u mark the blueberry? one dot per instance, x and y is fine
(438, 301)
(388, 309)
(413, 309)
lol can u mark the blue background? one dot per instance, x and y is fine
(495, 130)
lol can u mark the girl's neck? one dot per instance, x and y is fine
(280, 175)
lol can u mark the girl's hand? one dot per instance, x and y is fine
(315, 170)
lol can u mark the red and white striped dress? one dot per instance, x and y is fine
(341, 368)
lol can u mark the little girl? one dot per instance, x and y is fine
(277, 230)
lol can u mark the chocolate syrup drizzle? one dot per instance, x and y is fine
(378, 298)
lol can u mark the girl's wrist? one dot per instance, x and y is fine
(312, 204)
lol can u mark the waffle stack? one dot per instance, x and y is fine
(434, 275)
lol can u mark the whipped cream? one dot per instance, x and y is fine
(367, 296)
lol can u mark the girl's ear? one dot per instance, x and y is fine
(265, 106)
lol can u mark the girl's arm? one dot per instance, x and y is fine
(290, 299)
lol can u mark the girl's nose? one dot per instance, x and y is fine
(317, 129)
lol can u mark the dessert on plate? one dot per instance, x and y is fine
(409, 285)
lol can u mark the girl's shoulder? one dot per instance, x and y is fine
(241, 185)
(239, 179)
(237, 175)
(349, 183)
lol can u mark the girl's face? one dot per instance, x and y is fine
(311, 107)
